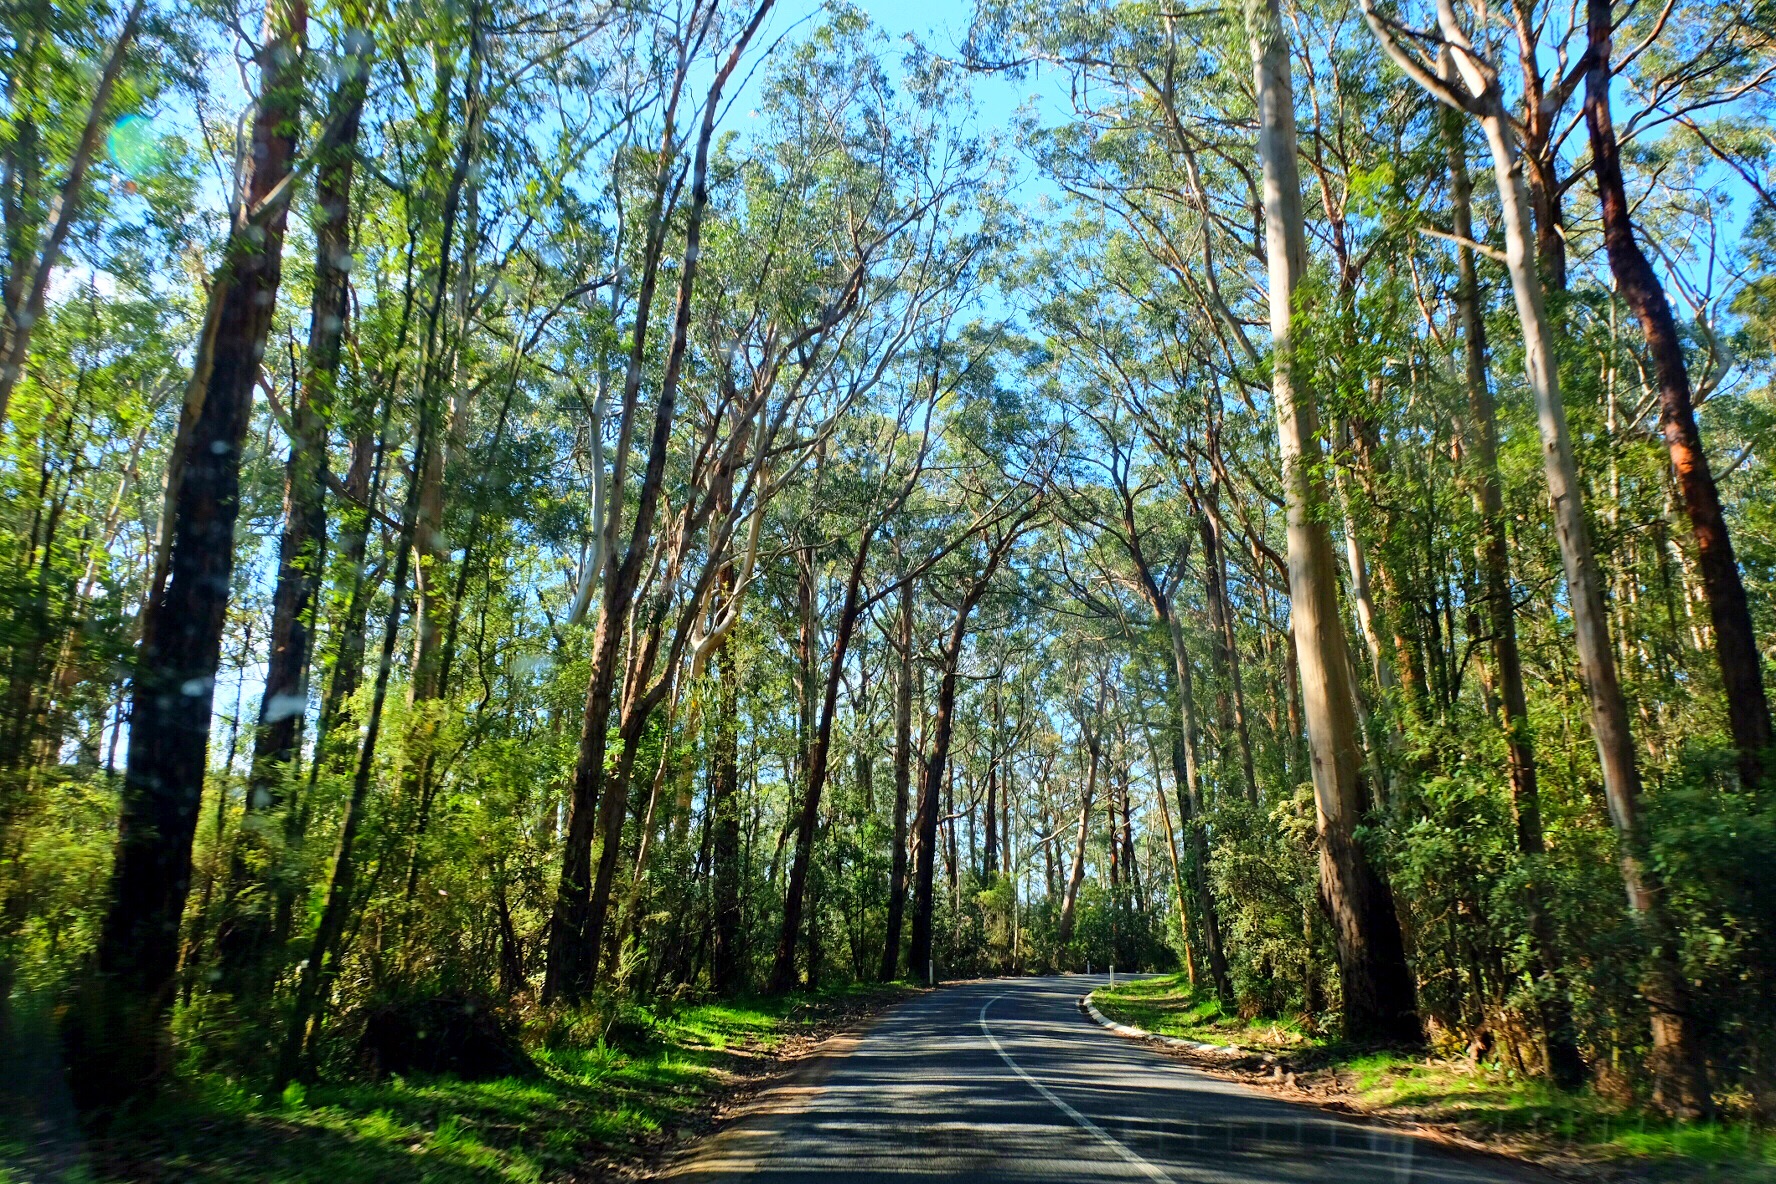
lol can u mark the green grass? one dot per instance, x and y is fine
(1487, 1102)
(588, 1102)
(1168, 1006)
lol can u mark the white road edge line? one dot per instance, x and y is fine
(1081, 1120)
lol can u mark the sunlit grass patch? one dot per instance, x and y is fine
(1170, 1006)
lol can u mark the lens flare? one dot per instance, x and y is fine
(134, 144)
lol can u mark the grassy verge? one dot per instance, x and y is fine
(586, 1109)
(1167, 1006)
(1485, 1103)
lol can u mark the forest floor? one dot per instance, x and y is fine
(599, 1112)
(1475, 1104)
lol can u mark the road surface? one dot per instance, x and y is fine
(1007, 1081)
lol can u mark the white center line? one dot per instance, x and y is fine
(1083, 1122)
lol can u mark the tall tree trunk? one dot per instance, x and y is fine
(580, 902)
(990, 848)
(435, 614)
(1179, 884)
(903, 767)
(1373, 468)
(1357, 559)
(1196, 864)
(1680, 1084)
(1735, 640)
(942, 729)
(783, 971)
(1051, 875)
(1231, 697)
(724, 817)
(361, 488)
(120, 1041)
(321, 965)
(1187, 766)
(1680, 1081)
(1379, 998)
(1076, 874)
(1113, 821)
(1540, 120)
(952, 864)
(1130, 863)
(249, 928)
(1565, 1065)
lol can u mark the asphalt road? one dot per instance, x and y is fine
(1006, 1080)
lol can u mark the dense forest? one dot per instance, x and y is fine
(549, 505)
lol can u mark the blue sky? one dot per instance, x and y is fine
(941, 25)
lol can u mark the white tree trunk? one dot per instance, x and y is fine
(1378, 986)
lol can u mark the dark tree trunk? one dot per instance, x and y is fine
(1196, 862)
(724, 812)
(314, 983)
(324, 949)
(903, 768)
(250, 926)
(1735, 639)
(990, 850)
(305, 521)
(931, 784)
(1541, 116)
(360, 491)
(511, 949)
(1680, 1072)
(783, 971)
(1131, 865)
(1094, 752)
(1113, 823)
(1230, 696)
(952, 864)
(120, 1046)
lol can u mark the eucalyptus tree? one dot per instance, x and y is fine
(1138, 551)
(850, 197)
(1565, 1062)
(284, 703)
(575, 936)
(1735, 640)
(1007, 449)
(879, 505)
(1472, 85)
(119, 1039)
(900, 640)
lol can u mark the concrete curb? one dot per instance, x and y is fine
(1091, 1009)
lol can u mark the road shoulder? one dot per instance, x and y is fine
(750, 1104)
(1323, 1087)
